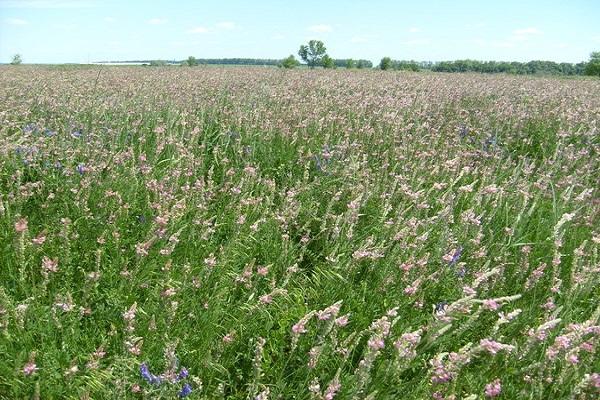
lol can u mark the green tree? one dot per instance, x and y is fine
(16, 59)
(191, 61)
(289, 62)
(593, 66)
(327, 62)
(385, 63)
(313, 53)
(350, 63)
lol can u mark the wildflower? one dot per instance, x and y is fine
(21, 225)
(49, 265)
(494, 347)
(182, 374)
(40, 239)
(81, 169)
(266, 299)
(185, 391)
(341, 321)
(332, 389)
(148, 376)
(493, 389)
(30, 368)
(490, 305)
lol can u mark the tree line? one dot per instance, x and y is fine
(514, 67)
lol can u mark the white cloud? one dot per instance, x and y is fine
(198, 29)
(322, 28)
(226, 25)
(16, 21)
(526, 31)
(157, 21)
(414, 30)
(45, 4)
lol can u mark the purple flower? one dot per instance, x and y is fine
(185, 391)
(182, 374)
(456, 256)
(80, 168)
(148, 376)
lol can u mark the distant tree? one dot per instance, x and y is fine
(16, 59)
(158, 63)
(360, 64)
(289, 62)
(191, 61)
(593, 66)
(327, 62)
(313, 53)
(386, 63)
(350, 63)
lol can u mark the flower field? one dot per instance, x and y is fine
(255, 233)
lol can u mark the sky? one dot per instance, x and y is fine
(60, 31)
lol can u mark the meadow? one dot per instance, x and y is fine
(257, 233)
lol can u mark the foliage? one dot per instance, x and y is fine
(243, 233)
(350, 63)
(385, 64)
(16, 59)
(158, 63)
(190, 62)
(593, 66)
(327, 62)
(313, 53)
(290, 62)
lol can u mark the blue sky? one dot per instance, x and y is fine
(54, 31)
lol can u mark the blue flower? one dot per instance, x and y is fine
(182, 374)
(80, 168)
(456, 256)
(76, 134)
(148, 376)
(185, 391)
(50, 133)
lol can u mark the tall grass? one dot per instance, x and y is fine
(262, 234)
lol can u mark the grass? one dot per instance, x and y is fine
(297, 234)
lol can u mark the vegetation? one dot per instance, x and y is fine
(593, 66)
(386, 64)
(290, 62)
(158, 63)
(237, 233)
(313, 53)
(327, 62)
(16, 59)
(190, 62)
(528, 68)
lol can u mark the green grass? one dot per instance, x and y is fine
(227, 204)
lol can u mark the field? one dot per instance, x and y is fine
(255, 233)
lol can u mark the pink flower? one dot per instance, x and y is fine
(266, 299)
(30, 368)
(376, 343)
(493, 389)
(299, 328)
(49, 265)
(490, 305)
(341, 321)
(21, 225)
